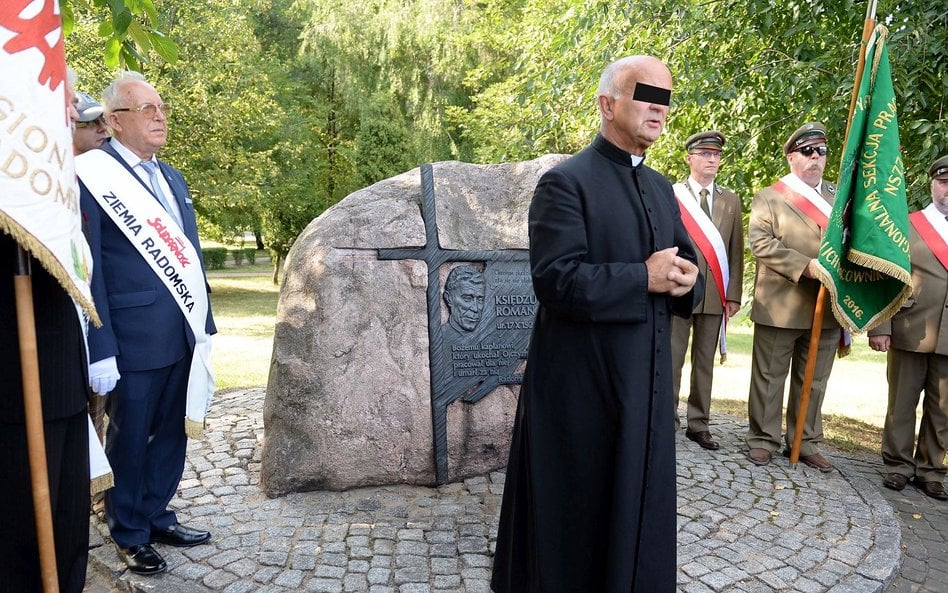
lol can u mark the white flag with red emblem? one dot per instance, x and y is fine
(39, 196)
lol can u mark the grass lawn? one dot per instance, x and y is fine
(856, 397)
(245, 299)
(245, 312)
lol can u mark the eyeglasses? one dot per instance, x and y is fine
(148, 109)
(809, 150)
(707, 154)
(99, 121)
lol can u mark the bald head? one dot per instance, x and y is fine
(634, 92)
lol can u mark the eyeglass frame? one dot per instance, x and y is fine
(99, 121)
(707, 154)
(165, 109)
(808, 151)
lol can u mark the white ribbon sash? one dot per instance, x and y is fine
(933, 229)
(813, 199)
(168, 252)
(707, 238)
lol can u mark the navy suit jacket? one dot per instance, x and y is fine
(142, 325)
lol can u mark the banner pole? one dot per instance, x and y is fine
(803, 405)
(33, 413)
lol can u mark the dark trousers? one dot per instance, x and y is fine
(145, 443)
(67, 458)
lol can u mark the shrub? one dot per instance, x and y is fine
(238, 256)
(214, 258)
(250, 254)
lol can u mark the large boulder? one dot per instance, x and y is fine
(349, 397)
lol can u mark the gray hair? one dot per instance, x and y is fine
(607, 81)
(110, 95)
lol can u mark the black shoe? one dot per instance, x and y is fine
(180, 536)
(704, 440)
(142, 559)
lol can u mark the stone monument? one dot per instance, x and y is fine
(401, 332)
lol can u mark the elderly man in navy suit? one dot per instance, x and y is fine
(152, 353)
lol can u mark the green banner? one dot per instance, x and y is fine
(864, 257)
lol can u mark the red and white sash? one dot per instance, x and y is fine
(933, 228)
(168, 252)
(809, 201)
(805, 198)
(709, 242)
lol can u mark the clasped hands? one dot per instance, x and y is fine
(103, 375)
(668, 273)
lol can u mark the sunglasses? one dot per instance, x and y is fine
(809, 150)
(99, 121)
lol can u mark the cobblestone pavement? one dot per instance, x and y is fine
(741, 528)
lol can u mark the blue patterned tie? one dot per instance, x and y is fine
(151, 167)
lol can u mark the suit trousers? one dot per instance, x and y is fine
(704, 331)
(67, 458)
(777, 352)
(146, 444)
(910, 375)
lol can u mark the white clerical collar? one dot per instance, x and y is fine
(636, 159)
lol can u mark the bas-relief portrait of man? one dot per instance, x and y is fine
(464, 296)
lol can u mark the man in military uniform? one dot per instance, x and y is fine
(712, 215)
(786, 226)
(916, 340)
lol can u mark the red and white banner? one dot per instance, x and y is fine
(39, 197)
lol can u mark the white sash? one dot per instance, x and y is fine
(707, 238)
(937, 220)
(168, 252)
(710, 232)
(810, 193)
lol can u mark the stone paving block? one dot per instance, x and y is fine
(324, 586)
(355, 583)
(741, 529)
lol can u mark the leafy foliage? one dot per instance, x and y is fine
(286, 106)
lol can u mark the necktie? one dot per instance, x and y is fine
(151, 167)
(704, 202)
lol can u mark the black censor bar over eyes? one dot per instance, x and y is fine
(652, 94)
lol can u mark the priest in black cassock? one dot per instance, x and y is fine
(589, 503)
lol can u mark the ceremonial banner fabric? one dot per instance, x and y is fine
(39, 197)
(864, 258)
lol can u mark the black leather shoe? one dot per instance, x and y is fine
(142, 559)
(180, 536)
(933, 489)
(704, 440)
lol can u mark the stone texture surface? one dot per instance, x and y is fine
(349, 401)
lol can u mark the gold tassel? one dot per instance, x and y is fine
(101, 483)
(194, 429)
